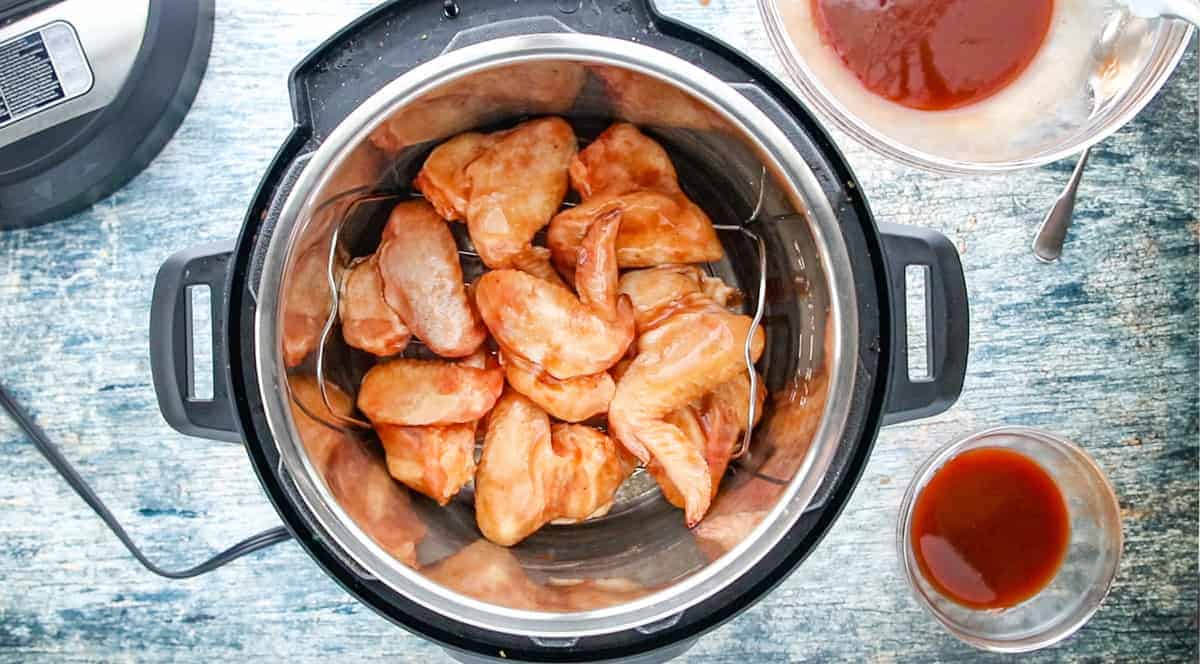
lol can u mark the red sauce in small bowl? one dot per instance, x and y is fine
(990, 529)
(934, 54)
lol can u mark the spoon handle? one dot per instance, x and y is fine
(1048, 244)
(1184, 10)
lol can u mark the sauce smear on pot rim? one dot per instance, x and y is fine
(991, 528)
(934, 54)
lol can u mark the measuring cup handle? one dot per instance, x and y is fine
(172, 343)
(947, 322)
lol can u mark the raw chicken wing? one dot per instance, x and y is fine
(410, 392)
(531, 474)
(551, 328)
(596, 271)
(573, 400)
(591, 466)
(443, 179)
(658, 292)
(689, 425)
(434, 460)
(681, 360)
(423, 281)
(656, 229)
(724, 415)
(714, 424)
(622, 160)
(511, 188)
(367, 320)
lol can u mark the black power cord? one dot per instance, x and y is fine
(49, 450)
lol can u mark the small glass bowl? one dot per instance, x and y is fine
(1097, 68)
(1085, 575)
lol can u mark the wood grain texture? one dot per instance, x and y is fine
(1101, 348)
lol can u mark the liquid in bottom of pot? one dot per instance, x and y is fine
(991, 528)
(934, 54)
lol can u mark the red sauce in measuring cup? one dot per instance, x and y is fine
(934, 54)
(990, 529)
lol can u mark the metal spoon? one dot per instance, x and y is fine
(1048, 244)
(1184, 10)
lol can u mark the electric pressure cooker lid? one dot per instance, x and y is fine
(90, 92)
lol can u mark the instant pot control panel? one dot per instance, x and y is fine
(89, 93)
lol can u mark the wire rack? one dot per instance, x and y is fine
(359, 197)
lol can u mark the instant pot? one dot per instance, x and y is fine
(635, 585)
(90, 92)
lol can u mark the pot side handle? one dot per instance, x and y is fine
(172, 343)
(947, 323)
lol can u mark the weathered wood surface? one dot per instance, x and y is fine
(1101, 348)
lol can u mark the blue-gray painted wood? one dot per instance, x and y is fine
(1101, 347)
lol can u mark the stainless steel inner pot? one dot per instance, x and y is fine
(637, 567)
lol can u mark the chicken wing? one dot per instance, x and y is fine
(573, 400)
(622, 160)
(658, 292)
(787, 437)
(437, 461)
(551, 328)
(656, 229)
(688, 422)
(714, 424)
(591, 466)
(596, 270)
(724, 416)
(536, 261)
(685, 357)
(409, 392)
(423, 281)
(531, 473)
(511, 187)
(367, 320)
(511, 482)
(443, 178)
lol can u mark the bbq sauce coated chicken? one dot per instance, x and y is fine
(566, 335)
(426, 413)
(505, 185)
(623, 169)
(549, 337)
(368, 321)
(423, 281)
(533, 472)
